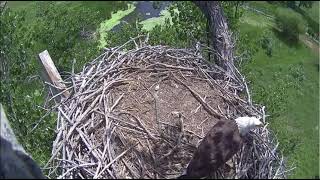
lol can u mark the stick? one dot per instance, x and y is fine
(115, 159)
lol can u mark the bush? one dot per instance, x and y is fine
(290, 22)
(267, 42)
(232, 11)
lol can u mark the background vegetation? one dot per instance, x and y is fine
(290, 23)
(28, 29)
(283, 75)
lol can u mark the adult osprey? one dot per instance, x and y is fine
(222, 141)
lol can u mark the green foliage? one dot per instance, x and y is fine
(278, 78)
(295, 4)
(126, 32)
(268, 7)
(267, 42)
(58, 27)
(290, 22)
(306, 4)
(275, 95)
(311, 15)
(20, 101)
(247, 46)
(167, 35)
(291, 4)
(248, 42)
(287, 83)
(10, 21)
(233, 13)
(189, 25)
(156, 4)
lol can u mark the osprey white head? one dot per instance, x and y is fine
(245, 124)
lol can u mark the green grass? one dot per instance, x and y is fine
(263, 6)
(106, 7)
(16, 5)
(256, 20)
(288, 84)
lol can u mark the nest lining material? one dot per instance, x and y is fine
(141, 114)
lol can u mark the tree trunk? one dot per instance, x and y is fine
(221, 37)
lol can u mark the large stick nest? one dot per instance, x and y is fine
(141, 114)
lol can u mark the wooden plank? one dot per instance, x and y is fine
(52, 75)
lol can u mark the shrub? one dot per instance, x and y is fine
(266, 42)
(290, 22)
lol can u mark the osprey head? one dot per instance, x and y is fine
(245, 124)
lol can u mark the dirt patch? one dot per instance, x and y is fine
(310, 43)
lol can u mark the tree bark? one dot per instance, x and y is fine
(221, 37)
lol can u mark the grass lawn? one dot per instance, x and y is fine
(288, 84)
(263, 6)
(19, 4)
(256, 20)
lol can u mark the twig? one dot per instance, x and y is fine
(140, 124)
(115, 159)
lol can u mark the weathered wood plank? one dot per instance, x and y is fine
(52, 75)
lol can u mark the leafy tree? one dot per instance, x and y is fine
(59, 28)
(290, 22)
(21, 93)
(187, 27)
(306, 4)
(233, 13)
(294, 4)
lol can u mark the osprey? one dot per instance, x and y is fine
(221, 142)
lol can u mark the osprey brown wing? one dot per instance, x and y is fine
(216, 148)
